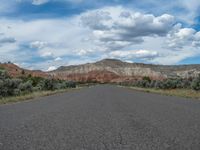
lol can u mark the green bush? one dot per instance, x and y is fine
(173, 83)
(2, 92)
(26, 87)
(70, 84)
(146, 79)
(152, 84)
(186, 84)
(26, 84)
(158, 84)
(196, 84)
(16, 92)
(47, 84)
(169, 84)
(3, 74)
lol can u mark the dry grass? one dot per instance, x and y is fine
(187, 93)
(33, 95)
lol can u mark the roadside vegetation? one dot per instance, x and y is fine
(26, 87)
(175, 86)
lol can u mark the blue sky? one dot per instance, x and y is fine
(45, 34)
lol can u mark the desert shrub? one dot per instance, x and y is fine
(1, 83)
(26, 84)
(186, 84)
(169, 84)
(23, 72)
(70, 84)
(2, 68)
(158, 84)
(36, 88)
(146, 79)
(179, 83)
(59, 86)
(165, 84)
(48, 84)
(1, 88)
(10, 85)
(34, 80)
(15, 83)
(16, 92)
(196, 84)
(152, 84)
(51, 84)
(3, 74)
(26, 87)
(142, 83)
(41, 85)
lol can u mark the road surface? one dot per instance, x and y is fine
(101, 118)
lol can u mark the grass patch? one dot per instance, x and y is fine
(32, 95)
(187, 93)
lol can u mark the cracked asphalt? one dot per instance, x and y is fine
(102, 117)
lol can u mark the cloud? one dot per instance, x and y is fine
(132, 54)
(51, 68)
(106, 32)
(7, 6)
(34, 2)
(59, 36)
(184, 10)
(84, 52)
(121, 27)
(38, 44)
(179, 37)
(46, 54)
(4, 39)
(192, 8)
(58, 59)
(39, 2)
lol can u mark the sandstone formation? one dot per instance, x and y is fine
(108, 71)
(112, 70)
(15, 71)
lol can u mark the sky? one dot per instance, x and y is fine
(46, 34)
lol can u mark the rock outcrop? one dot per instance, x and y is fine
(15, 71)
(108, 71)
(112, 70)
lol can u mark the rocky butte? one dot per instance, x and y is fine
(113, 70)
(108, 71)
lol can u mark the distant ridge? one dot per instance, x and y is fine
(15, 71)
(109, 70)
(114, 70)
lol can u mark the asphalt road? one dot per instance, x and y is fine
(101, 118)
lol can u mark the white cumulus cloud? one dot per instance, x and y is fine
(5, 39)
(132, 54)
(58, 59)
(38, 44)
(46, 54)
(109, 31)
(180, 37)
(39, 2)
(51, 68)
(117, 27)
